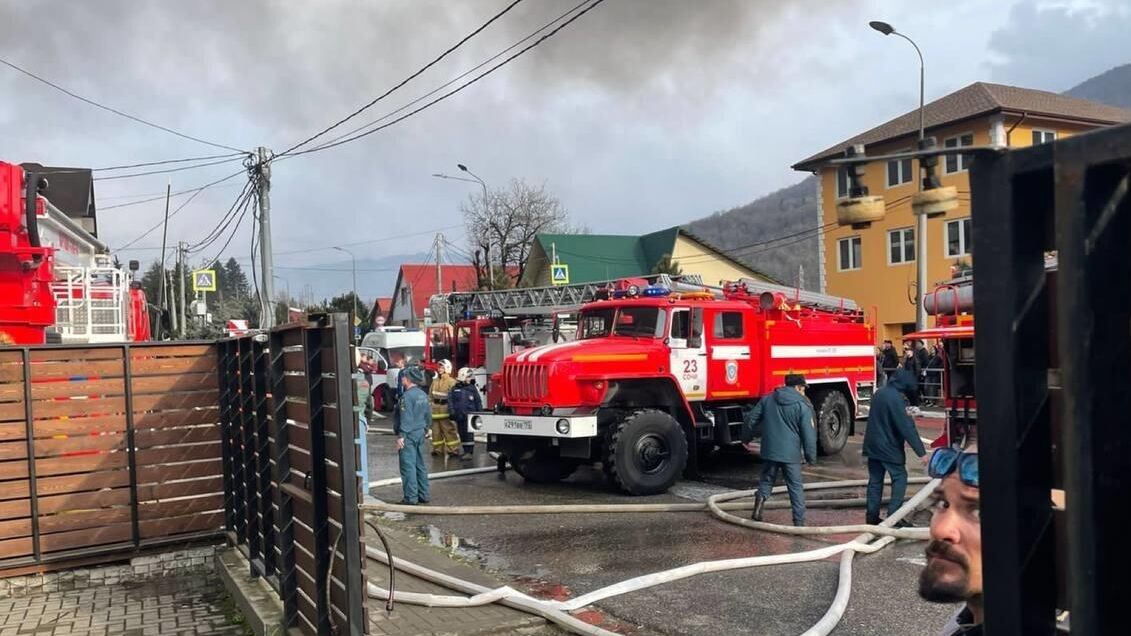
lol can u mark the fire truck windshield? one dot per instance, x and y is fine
(638, 322)
(408, 354)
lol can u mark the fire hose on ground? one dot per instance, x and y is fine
(555, 611)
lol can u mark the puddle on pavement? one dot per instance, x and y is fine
(470, 550)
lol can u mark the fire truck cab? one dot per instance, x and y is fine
(58, 282)
(655, 378)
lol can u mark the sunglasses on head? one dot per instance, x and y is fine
(945, 461)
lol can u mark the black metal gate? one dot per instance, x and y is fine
(1054, 381)
(287, 411)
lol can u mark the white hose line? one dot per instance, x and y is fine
(521, 602)
(393, 481)
(836, 610)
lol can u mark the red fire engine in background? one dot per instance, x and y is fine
(58, 282)
(658, 376)
(952, 305)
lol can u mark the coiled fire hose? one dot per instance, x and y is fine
(555, 611)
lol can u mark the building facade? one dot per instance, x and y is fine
(876, 266)
(600, 257)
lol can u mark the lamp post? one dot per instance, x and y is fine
(353, 260)
(921, 221)
(475, 179)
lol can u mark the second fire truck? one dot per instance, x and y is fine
(658, 376)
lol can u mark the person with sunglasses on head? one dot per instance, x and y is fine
(954, 555)
(889, 429)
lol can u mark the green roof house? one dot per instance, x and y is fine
(599, 257)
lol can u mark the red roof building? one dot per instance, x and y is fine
(416, 284)
(380, 309)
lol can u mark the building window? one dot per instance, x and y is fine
(958, 163)
(843, 184)
(899, 171)
(901, 244)
(728, 325)
(1043, 136)
(958, 237)
(404, 295)
(849, 251)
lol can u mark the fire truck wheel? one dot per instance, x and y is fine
(834, 420)
(542, 465)
(645, 453)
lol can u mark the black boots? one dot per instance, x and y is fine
(872, 520)
(759, 504)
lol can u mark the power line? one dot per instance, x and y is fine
(164, 162)
(405, 80)
(167, 170)
(194, 191)
(243, 214)
(455, 79)
(382, 239)
(114, 110)
(238, 208)
(453, 91)
(175, 194)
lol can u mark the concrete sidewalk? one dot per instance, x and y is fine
(412, 620)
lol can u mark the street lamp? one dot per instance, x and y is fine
(476, 179)
(921, 221)
(353, 260)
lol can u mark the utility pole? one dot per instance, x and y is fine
(439, 263)
(180, 273)
(163, 297)
(174, 327)
(267, 300)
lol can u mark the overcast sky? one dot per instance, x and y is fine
(640, 115)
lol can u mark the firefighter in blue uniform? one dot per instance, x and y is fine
(464, 399)
(411, 428)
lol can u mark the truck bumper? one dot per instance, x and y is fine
(550, 426)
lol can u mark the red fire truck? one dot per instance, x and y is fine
(478, 329)
(57, 280)
(952, 305)
(657, 376)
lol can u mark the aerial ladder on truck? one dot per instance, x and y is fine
(478, 329)
(58, 282)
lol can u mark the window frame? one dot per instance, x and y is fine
(910, 176)
(961, 159)
(848, 240)
(903, 246)
(1043, 132)
(842, 179)
(718, 327)
(962, 243)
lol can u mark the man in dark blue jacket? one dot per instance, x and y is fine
(463, 399)
(788, 436)
(889, 428)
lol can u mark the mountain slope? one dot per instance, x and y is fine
(1112, 87)
(789, 214)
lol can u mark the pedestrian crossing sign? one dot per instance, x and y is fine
(559, 274)
(204, 280)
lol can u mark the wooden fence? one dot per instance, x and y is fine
(106, 449)
(287, 412)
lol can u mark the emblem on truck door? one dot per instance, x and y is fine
(732, 371)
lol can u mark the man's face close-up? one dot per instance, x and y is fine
(954, 555)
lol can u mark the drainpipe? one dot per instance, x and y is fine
(1015, 125)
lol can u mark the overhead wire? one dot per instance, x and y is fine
(454, 91)
(406, 80)
(455, 79)
(237, 215)
(110, 109)
(174, 194)
(225, 219)
(167, 170)
(239, 221)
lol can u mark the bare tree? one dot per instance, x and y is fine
(502, 224)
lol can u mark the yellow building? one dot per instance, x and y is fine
(876, 266)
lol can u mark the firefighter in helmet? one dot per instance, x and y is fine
(445, 439)
(464, 399)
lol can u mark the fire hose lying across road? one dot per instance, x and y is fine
(555, 611)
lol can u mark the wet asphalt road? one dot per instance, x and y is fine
(564, 556)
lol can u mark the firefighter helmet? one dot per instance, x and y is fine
(464, 375)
